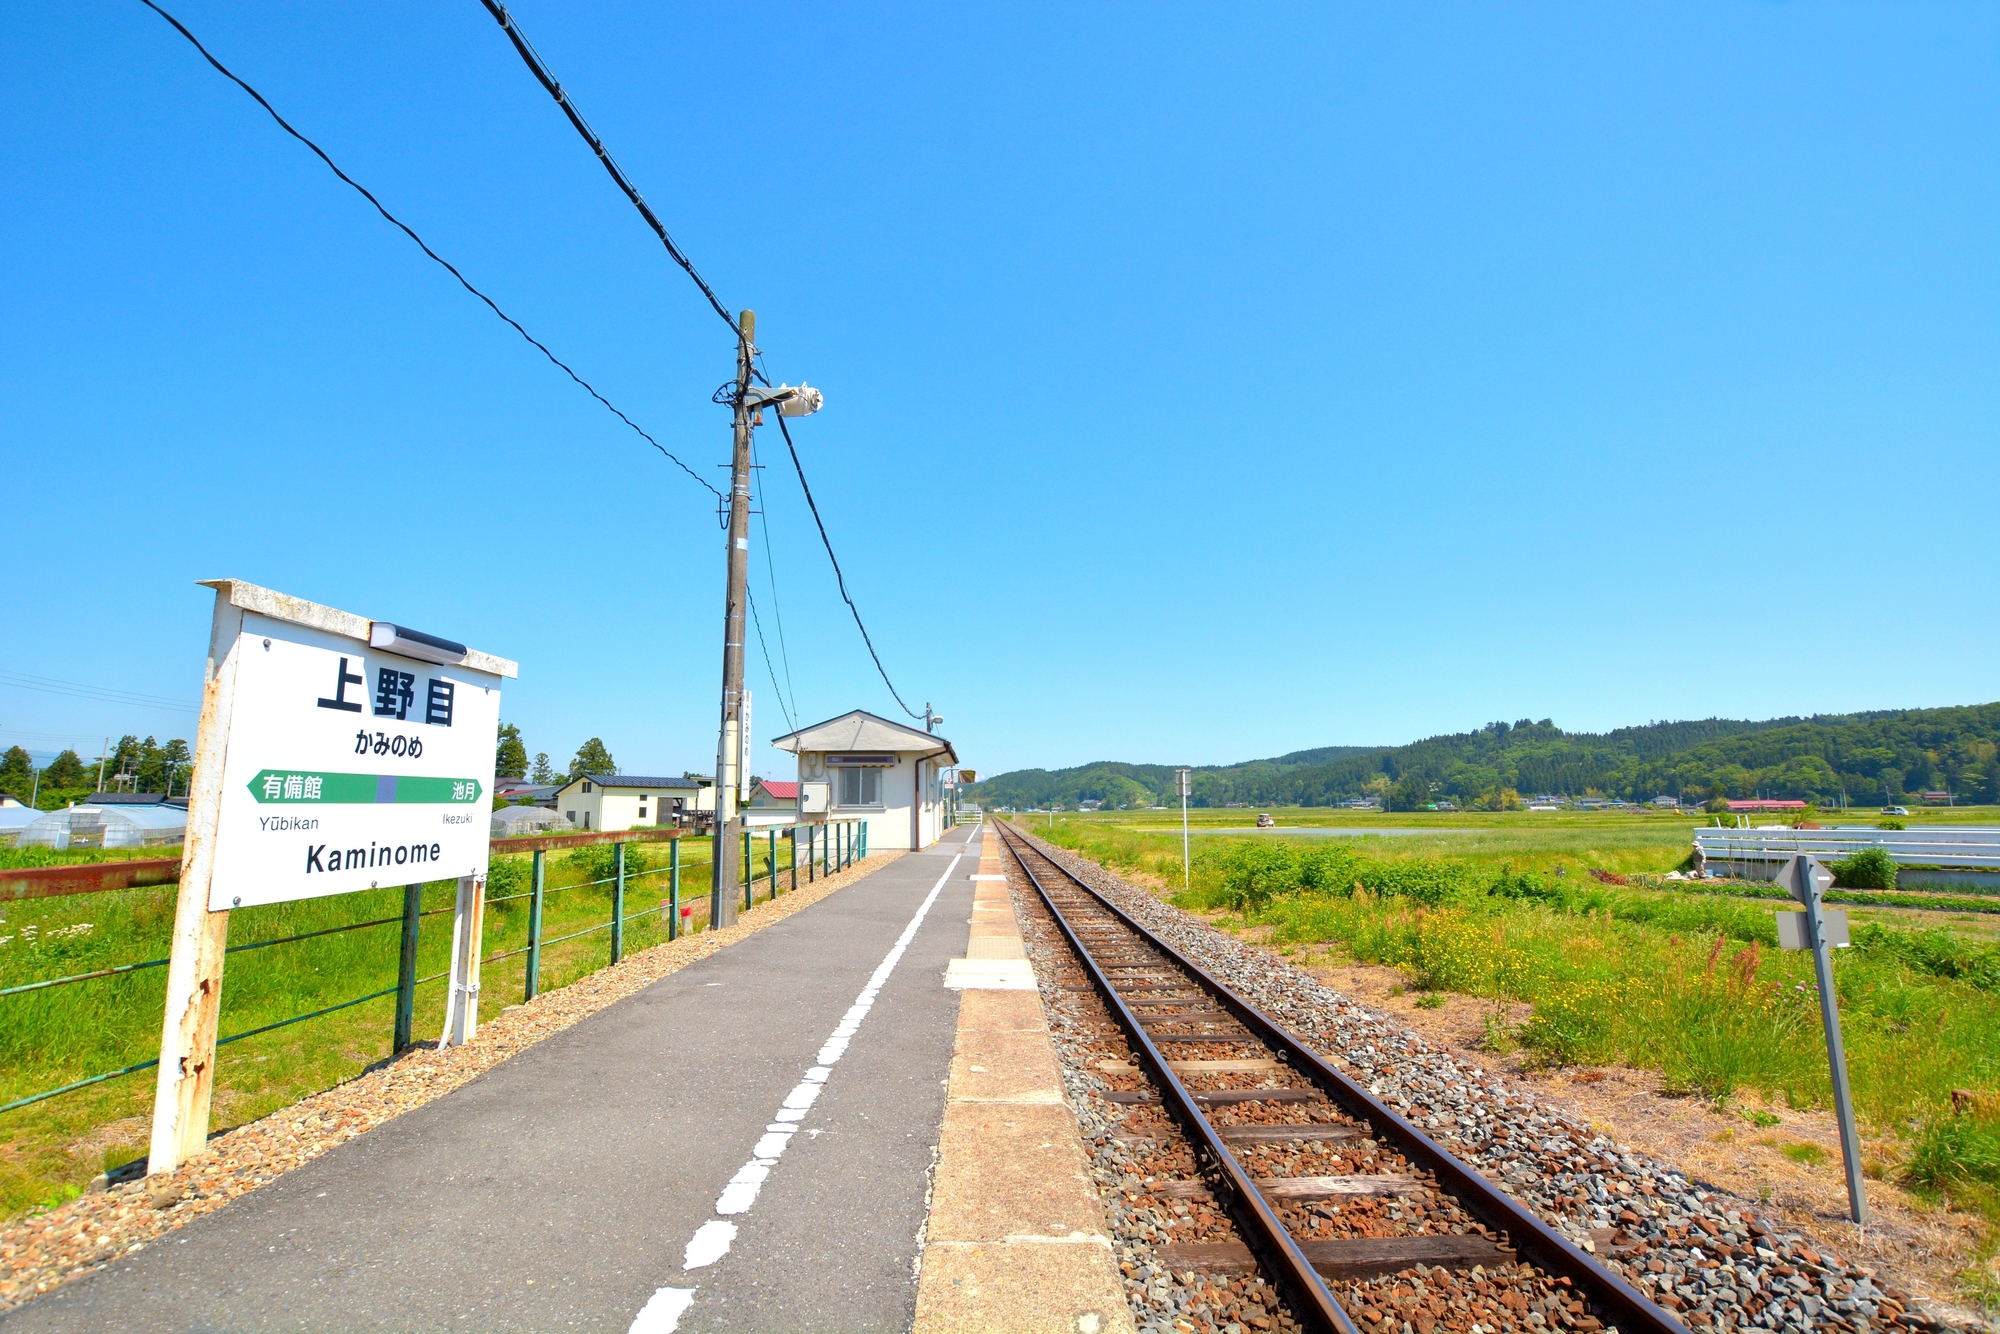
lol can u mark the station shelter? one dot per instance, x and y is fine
(872, 769)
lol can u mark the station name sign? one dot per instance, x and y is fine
(348, 767)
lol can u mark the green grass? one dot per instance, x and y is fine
(50, 1150)
(1676, 977)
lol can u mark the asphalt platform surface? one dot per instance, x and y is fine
(558, 1190)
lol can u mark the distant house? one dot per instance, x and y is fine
(1943, 797)
(520, 790)
(1765, 804)
(1090, 804)
(611, 802)
(1362, 804)
(772, 802)
(1664, 800)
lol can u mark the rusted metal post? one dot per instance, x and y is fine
(534, 933)
(406, 967)
(618, 904)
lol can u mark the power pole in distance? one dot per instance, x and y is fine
(727, 863)
(732, 742)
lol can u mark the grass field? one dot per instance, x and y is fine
(50, 1150)
(1680, 978)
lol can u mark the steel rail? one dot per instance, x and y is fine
(1272, 1241)
(1527, 1232)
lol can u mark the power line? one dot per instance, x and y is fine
(758, 621)
(49, 685)
(777, 611)
(286, 126)
(533, 59)
(839, 578)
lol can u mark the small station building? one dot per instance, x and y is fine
(890, 775)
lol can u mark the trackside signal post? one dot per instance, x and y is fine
(1184, 781)
(732, 774)
(1820, 929)
(335, 754)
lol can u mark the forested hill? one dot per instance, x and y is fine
(1868, 756)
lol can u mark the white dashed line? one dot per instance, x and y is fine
(663, 1311)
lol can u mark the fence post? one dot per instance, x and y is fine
(771, 859)
(618, 904)
(795, 858)
(674, 890)
(864, 841)
(534, 932)
(749, 871)
(406, 969)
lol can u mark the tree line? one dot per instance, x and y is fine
(1882, 757)
(134, 766)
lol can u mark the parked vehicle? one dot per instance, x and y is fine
(1895, 810)
(1266, 822)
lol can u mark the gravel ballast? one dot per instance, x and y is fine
(1707, 1257)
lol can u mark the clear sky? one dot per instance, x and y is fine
(1202, 382)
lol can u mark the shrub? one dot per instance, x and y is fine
(1870, 868)
(1956, 1151)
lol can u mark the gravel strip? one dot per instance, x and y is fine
(1706, 1256)
(48, 1249)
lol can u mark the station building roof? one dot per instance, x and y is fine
(860, 730)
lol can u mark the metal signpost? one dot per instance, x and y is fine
(1184, 780)
(1820, 929)
(335, 754)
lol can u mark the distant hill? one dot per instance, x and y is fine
(1871, 757)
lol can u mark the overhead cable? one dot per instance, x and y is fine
(771, 573)
(286, 126)
(839, 578)
(776, 689)
(533, 59)
(75, 690)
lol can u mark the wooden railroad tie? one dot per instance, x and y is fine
(1221, 1097)
(1346, 1257)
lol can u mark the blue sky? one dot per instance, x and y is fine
(1200, 385)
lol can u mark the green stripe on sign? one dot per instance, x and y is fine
(297, 787)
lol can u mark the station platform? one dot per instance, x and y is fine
(562, 1189)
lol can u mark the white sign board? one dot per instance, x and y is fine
(743, 752)
(1792, 929)
(348, 767)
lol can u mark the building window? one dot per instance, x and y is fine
(586, 819)
(570, 816)
(861, 787)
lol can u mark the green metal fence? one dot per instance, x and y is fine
(814, 849)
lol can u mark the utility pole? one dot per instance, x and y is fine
(727, 863)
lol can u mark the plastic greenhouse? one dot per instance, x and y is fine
(107, 827)
(514, 821)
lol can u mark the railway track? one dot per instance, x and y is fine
(1358, 1218)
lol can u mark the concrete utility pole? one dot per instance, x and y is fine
(727, 864)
